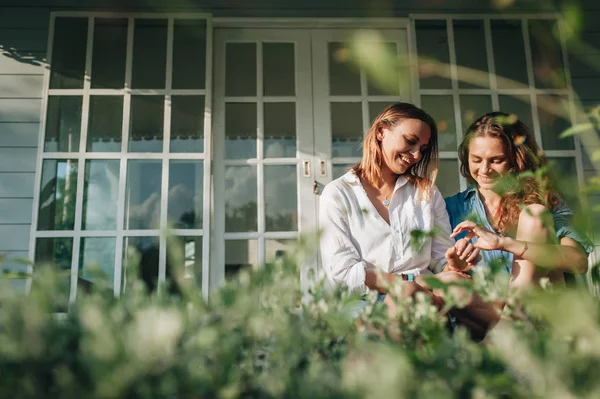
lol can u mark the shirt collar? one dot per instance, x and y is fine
(352, 178)
(472, 189)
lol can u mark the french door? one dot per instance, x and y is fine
(290, 111)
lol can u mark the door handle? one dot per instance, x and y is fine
(317, 188)
(322, 168)
(306, 168)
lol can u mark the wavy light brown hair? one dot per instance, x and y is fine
(524, 155)
(423, 173)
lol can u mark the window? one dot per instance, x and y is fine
(124, 150)
(470, 66)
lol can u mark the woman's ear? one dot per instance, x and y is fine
(379, 133)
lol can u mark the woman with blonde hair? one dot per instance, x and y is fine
(511, 211)
(368, 215)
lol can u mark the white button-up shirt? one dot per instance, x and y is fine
(354, 236)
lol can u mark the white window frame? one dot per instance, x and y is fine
(493, 90)
(124, 156)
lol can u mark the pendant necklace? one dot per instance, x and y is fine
(385, 201)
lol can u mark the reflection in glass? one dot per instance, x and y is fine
(240, 254)
(280, 130)
(240, 69)
(109, 53)
(346, 129)
(509, 53)
(184, 254)
(338, 170)
(187, 124)
(448, 177)
(279, 249)
(240, 199)
(97, 261)
(432, 46)
(58, 193)
(100, 195)
(63, 124)
(279, 69)
(281, 199)
(546, 54)
(441, 108)
(56, 253)
(186, 182)
(240, 130)
(386, 82)
(375, 109)
(105, 124)
(146, 125)
(520, 106)
(469, 44)
(140, 258)
(553, 112)
(472, 107)
(189, 54)
(68, 53)
(149, 54)
(344, 76)
(142, 194)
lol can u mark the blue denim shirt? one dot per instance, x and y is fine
(467, 205)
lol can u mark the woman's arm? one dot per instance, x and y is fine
(567, 256)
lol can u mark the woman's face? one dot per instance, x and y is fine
(403, 144)
(488, 160)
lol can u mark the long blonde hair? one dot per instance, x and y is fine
(423, 173)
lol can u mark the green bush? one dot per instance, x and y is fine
(255, 338)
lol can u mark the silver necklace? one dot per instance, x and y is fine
(385, 201)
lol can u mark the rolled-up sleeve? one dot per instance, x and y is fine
(339, 254)
(441, 239)
(563, 223)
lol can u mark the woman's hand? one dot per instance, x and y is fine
(486, 239)
(456, 262)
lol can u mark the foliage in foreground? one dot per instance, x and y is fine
(255, 338)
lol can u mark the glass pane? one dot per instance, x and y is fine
(240, 130)
(142, 194)
(240, 69)
(57, 253)
(441, 108)
(68, 53)
(187, 124)
(186, 189)
(140, 256)
(63, 124)
(109, 53)
(185, 252)
(278, 249)
(469, 43)
(149, 54)
(472, 107)
(344, 76)
(97, 261)
(240, 199)
(280, 130)
(146, 126)
(341, 169)
(546, 54)
(58, 192)
(553, 112)
(100, 195)
(240, 254)
(509, 53)
(565, 173)
(519, 106)
(386, 81)
(281, 198)
(189, 54)
(278, 69)
(346, 129)
(448, 177)
(375, 109)
(105, 124)
(432, 48)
